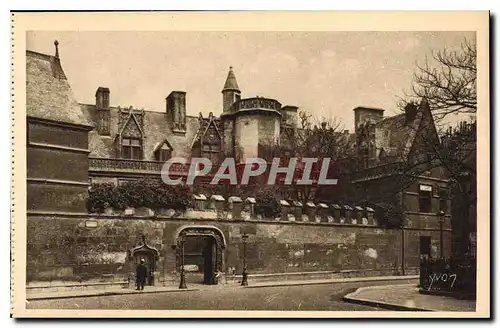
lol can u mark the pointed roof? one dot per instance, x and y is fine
(401, 133)
(48, 93)
(231, 83)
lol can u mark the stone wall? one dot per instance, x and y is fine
(247, 135)
(95, 248)
(57, 166)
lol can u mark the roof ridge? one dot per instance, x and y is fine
(39, 54)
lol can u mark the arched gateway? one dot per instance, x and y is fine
(206, 245)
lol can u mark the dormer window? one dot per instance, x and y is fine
(164, 153)
(131, 148)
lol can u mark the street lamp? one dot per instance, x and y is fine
(441, 221)
(182, 284)
(244, 275)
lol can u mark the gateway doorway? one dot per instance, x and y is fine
(200, 259)
(203, 253)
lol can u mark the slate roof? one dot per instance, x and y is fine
(155, 127)
(400, 133)
(48, 93)
(231, 83)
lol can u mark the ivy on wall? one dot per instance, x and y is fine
(388, 215)
(149, 193)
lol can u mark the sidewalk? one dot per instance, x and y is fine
(103, 292)
(195, 287)
(407, 298)
(326, 281)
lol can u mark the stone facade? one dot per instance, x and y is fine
(243, 126)
(68, 244)
(72, 249)
(57, 143)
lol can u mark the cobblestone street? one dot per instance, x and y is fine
(306, 298)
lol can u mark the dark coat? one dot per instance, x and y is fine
(141, 273)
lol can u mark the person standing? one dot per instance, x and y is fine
(141, 274)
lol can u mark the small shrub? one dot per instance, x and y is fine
(266, 204)
(388, 215)
(149, 193)
(100, 196)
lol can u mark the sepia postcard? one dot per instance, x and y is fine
(250, 164)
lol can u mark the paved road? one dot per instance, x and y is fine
(307, 298)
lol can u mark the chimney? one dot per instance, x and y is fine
(367, 114)
(102, 98)
(102, 107)
(289, 115)
(176, 111)
(410, 112)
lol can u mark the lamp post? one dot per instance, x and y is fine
(441, 221)
(182, 284)
(244, 275)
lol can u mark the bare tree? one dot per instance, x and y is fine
(313, 137)
(447, 81)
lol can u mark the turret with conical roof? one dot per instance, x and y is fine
(231, 91)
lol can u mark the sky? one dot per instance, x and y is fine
(325, 73)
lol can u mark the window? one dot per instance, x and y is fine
(211, 151)
(164, 153)
(131, 148)
(237, 97)
(425, 198)
(443, 194)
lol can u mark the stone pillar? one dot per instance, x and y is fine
(369, 216)
(250, 206)
(336, 213)
(323, 212)
(199, 202)
(285, 209)
(236, 205)
(297, 209)
(349, 211)
(358, 215)
(217, 202)
(311, 211)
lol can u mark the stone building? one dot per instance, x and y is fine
(128, 143)
(71, 145)
(57, 140)
(398, 170)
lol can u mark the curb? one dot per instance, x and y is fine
(332, 281)
(295, 283)
(388, 306)
(114, 293)
(350, 298)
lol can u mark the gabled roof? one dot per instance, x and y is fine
(129, 117)
(401, 133)
(160, 145)
(48, 93)
(205, 124)
(231, 83)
